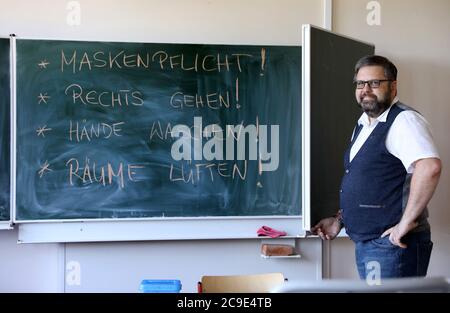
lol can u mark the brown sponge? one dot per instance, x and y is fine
(280, 250)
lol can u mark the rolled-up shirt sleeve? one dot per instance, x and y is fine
(410, 139)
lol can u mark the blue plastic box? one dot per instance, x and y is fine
(160, 286)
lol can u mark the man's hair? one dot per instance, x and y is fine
(390, 71)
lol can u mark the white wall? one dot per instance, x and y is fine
(30, 268)
(120, 266)
(415, 35)
(194, 21)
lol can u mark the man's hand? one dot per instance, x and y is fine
(327, 228)
(398, 231)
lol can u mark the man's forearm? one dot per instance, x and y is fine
(423, 184)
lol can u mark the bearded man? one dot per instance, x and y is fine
(391, 170)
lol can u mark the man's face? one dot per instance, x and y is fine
(375, 101)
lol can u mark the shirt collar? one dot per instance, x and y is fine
(364, 119)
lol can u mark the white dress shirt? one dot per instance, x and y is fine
(409, 138)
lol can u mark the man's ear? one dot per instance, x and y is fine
(394, 86)
(394, 89)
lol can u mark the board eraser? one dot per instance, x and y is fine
(279, 250)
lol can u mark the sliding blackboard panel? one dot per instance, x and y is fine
(334, 113)
(4, 130)
(95, 119)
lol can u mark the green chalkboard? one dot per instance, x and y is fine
(4, 130)
(134, 130)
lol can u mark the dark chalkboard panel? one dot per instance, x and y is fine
(94, 124)
(334, 113)
(4, 130)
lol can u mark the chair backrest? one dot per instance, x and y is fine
(242, 283)
(412, 284)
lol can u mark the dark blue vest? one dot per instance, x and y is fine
(372, 186)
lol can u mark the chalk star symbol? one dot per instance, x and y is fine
(42, 130)
(44, 168)
(43, 64)
(43, 97)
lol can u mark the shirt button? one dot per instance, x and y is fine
(340, 191)
(346, 171)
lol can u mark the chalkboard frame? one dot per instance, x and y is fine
(138, 229)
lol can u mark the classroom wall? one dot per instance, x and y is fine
(419, 45)
(193, 21)
(120, 266)
(415, 35)
(30, 268)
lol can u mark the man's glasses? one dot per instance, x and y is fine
(374, 83)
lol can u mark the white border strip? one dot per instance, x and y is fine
(176, 229)
(5, 225)
(163, 219)
(306, 131)
(13, 129)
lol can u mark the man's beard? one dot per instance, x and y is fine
(374, 107)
